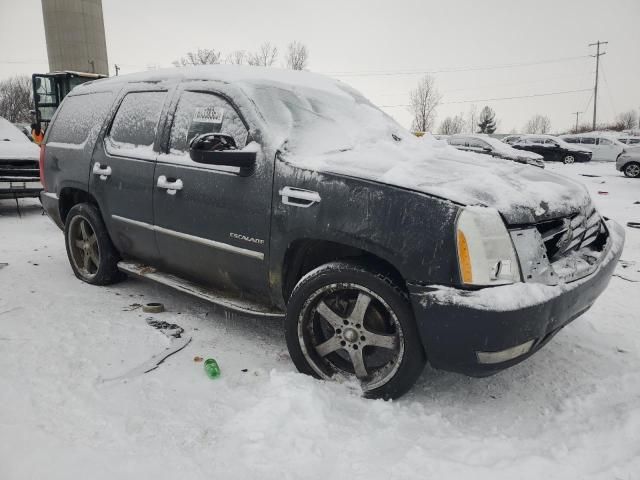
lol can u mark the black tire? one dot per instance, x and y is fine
(568, 159)
(632, 170)
(86, 236)
(386, 318)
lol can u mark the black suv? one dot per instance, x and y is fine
(281, 193)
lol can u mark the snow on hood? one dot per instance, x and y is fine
(14, 145)
(522, 193)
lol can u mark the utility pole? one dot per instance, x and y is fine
(117, 69)
(595, 89)
(577, 114)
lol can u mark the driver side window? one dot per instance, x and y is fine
(199, 113)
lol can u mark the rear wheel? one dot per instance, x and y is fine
(632, 170)
(92, 256)
(346, 321)
(568, 159)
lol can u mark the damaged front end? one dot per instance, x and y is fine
(564, 263)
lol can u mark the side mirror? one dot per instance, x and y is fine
(221, 149)
(487, 149)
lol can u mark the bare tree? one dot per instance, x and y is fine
(539, 124)
(203, 56)
(452, 125)
(237, 57)
(266, 56)
(627, 120)
(424, 100)
(16, 99)
(297, 56)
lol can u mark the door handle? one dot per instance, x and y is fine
(299, 197)
(103, 172)
(171, 187)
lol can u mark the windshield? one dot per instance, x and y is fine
(315, 121)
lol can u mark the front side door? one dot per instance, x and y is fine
(122, 173)
(212, 224)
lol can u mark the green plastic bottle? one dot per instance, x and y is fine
(211, 368)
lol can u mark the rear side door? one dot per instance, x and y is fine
(608, 150)
(213, 225)
(122, 170)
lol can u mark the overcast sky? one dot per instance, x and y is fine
(394, 37)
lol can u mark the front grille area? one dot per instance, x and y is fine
(19, 170)
(563, 236)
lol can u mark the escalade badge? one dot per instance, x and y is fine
(257, 241)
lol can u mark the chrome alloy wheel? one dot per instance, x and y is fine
(632, 170)
(83, 245)
(569, 159)
(345, 329)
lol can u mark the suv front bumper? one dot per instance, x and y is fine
(481, 332)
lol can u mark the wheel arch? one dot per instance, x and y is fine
(303, 255)
(71, 196)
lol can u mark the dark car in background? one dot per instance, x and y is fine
(19, 163)
(553, 149)
(281, 193)
(486, 145)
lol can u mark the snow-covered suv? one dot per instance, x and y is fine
(282, 193)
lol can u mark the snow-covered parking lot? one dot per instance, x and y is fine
(572, 411)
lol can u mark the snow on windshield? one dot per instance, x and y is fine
(315, 121)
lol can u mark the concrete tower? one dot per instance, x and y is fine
(74, 31)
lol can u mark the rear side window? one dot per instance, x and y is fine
(588, 141)
(78, 116)
(572, 140)
(456, 141)
(136, 122)
(605, 141)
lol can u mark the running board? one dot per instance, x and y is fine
(242, 306)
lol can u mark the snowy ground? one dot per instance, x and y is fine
(571, 411)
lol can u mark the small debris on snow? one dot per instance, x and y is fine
(169, 329)
(198, 359)
(633, 224)
(602, 192)
(3, 264)
(589, 175)
(131, 307)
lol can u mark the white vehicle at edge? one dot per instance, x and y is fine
(605, 147)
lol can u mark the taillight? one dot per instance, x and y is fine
(42, 166)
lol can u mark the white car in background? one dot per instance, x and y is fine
(19, 163)
(604, 147)
(487, 145)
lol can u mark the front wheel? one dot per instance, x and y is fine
(632, 170)
(92, 256)
(568, 159)
(346, 321)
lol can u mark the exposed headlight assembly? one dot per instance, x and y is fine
(485, 253)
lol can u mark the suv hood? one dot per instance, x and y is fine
(523, 194)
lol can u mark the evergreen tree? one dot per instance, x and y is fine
(487, 122)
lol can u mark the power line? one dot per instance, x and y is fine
(452, 70)
(496, 99)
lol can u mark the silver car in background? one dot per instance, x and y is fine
(629, 163)
(484, 144)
